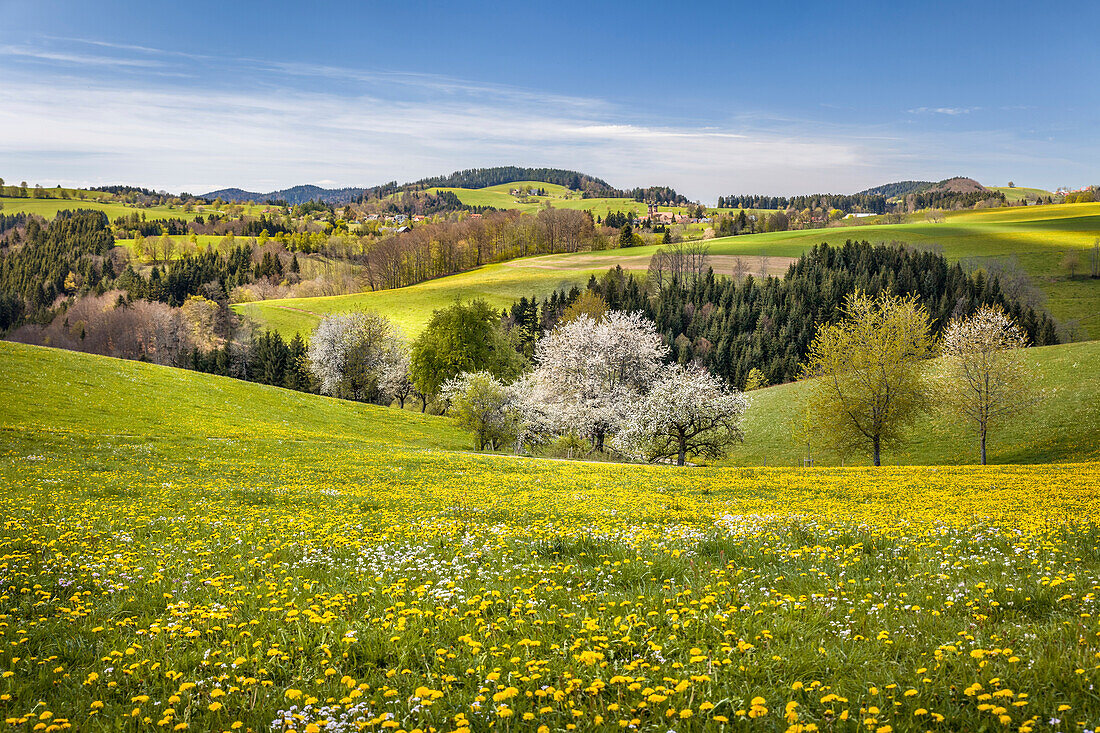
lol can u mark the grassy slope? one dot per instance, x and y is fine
(76, 396)
(499, 285)
(168, 536)
(1064, 428)
(1018, 194)
(558, 196)
(1038, 237)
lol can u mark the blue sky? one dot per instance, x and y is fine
(711, 98)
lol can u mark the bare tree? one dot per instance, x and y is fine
(765, 260)
(680, 261)
(1072, 261)
(740, 268)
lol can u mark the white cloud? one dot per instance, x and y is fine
(112, 122)
(950, 111)
(182, 139)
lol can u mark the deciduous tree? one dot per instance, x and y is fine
(869, 385)
(484, 405)
(464, 337)
(986, 380)
(589, 374)
(688, 411)
(357, 356)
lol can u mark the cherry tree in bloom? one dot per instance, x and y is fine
(589, 375)
(688, 411)
(360, 356)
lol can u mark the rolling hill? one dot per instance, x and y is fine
(82, 400)
(1018, 193)
(473, 179)
(896, 189)
(1035, 238)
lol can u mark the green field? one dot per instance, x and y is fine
(499, 285)
(1036, 237)
(1016, 193)
(557, 196)
(1065, 427)
(48, 208)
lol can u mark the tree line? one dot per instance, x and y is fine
(870, 203)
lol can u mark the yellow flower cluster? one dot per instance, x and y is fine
(437, 591)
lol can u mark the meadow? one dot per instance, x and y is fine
(558, 196)
(1018, 193)
(1036, 238)
(185, 552)
(410, 308)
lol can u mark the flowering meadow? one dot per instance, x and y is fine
(209, 578)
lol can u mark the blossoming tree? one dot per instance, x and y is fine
(590, 373)
(687, 411)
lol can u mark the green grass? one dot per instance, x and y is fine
(1037, 237)
(48, 208)
(172, 541)
(134, 401)
(1065, 427)
(1017, 193)
(558, 196)
(410, 308)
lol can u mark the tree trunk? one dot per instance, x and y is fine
(983, 444)
(423, 403)
(878, 451)
(683, 451)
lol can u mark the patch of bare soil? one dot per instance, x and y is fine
(722, 264)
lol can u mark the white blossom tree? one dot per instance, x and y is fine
(688, 411)
(360, 356)
(986, 381)
(589, 374)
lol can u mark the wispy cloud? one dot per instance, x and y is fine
(148, 117)
(950, 111)
(78, 59)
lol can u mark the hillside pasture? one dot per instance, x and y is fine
(557, 196)
(410, 308)
(1019, 193)
(1064, 427)
(1036, 238)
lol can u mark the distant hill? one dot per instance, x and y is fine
(900, 189)
(895, 190)
(293, 195)
(958, 184)
(473, 178)
(485, 177)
